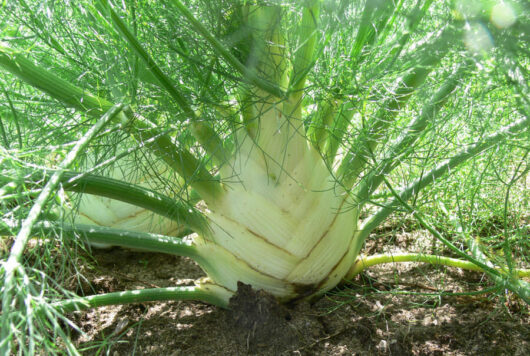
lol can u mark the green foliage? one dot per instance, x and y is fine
(415, 106)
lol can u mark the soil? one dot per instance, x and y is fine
(384, 311)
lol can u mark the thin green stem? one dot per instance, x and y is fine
(70, 95)
(249, 76)
(303, 60)
(15, 116)
(151, 64)
(384, 34)
(4, 134)
(437, 172)
(366, 142)
(364, 262)
(338, 129)
(500, 276)
(144, 241)
(319, 129)
(178, 158)
(404, 144)
(373, 20)
(131, 239)
(15, 255)
(416, 15)
(48, 38)
(197, 293)
(176, 210)
(204, 133)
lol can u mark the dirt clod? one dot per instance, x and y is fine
(258, 320)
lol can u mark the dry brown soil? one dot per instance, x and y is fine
(366, 317)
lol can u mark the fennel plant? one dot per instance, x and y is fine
(250, 136)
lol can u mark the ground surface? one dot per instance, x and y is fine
(362, 318)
